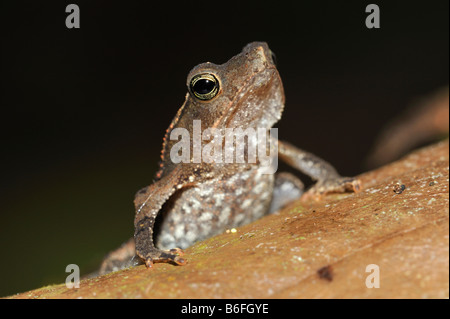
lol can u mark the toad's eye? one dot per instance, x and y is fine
(204, 86)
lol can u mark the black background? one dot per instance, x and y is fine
(83, 111)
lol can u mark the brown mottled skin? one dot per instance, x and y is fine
(189, 202)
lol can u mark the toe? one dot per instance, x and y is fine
(149, 262)
(179, 261)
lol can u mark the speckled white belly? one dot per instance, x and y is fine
(210, 208)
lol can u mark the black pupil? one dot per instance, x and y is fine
(204, 86)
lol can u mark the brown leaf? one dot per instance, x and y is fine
(288, 255)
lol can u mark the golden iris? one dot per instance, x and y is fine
(204, 86)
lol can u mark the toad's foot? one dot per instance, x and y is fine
(145, 249)
(155, 255)
(333, 185)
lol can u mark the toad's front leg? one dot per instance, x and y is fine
(148, 203)
(145, 248)
(328, 179)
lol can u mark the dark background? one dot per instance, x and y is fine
(83, 111)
